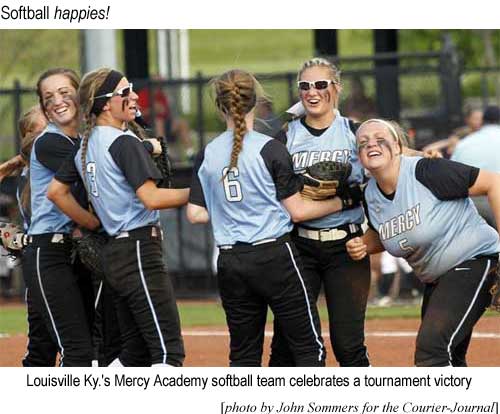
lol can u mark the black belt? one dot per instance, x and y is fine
(55, 238)
(243, 246)
(146, 232)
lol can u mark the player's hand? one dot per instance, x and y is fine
(432, 153)
(155, 142)
(356, 248)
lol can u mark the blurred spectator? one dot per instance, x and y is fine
(266, 121)
(357, 105)
(481, 149)
(397, 280)
(473, 122)
(166, 124)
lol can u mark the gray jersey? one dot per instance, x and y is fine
(245, 206)
(432, 234)
(50, 149)
(112, 196)
(337, 143)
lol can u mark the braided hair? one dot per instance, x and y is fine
(236, 93)
(88, 88)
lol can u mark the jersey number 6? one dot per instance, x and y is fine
(232, 187)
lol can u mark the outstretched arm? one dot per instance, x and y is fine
(155, 198)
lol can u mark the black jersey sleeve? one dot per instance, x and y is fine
(447, 180)
(67, 172)
(53, 149)
(196, 195)
(134, 160)
(281, 136)
(279, 164)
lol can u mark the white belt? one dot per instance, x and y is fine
(325, 235)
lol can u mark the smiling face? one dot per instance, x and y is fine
(318, 103)
(122, 108)
(59, 100)
(377, 145)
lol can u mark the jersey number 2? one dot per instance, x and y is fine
(91, 173)
(232, 187)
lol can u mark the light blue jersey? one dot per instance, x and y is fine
(113, 198)
(432, 235)
(45, 215)
(480, 149)
(244, 206)
(337, 143)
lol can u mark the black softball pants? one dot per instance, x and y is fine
(250, 279)
(450, 309)
(346, 285)
(144, 300)
(56, 296)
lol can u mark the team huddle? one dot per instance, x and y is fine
(286, 213)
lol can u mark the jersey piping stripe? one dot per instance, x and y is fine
(320, 355)
(27, 321)
(47, 306)
(143, 280)
(98, 296)
(468, 310)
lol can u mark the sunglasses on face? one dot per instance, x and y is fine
(122, 92)
(319, 84)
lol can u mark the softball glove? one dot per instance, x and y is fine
(325, 179)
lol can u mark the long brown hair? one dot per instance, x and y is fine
(89, 86)
(236, 93)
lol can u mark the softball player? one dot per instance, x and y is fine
(243, 182)
(41, 349)
(323, 134)
(420, 209)
(120, 177)
(57, 290)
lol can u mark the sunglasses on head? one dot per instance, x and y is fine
(122, 92)
(319, 84)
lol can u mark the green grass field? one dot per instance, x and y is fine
(13, 319)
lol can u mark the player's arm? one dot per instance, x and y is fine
(488, 183)
(360, 247)
(288, 186)
(155, 198)
(197, 212)
(142, 173)
(301, 209)
(9, 166)
(60, 194)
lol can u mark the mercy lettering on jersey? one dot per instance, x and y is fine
(336, 143)
(400, 224)
(431, 234)
(303, 159)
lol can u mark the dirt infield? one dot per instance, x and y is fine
(391, 343)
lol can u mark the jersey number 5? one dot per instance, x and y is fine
(91, 173)
(232, 187)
